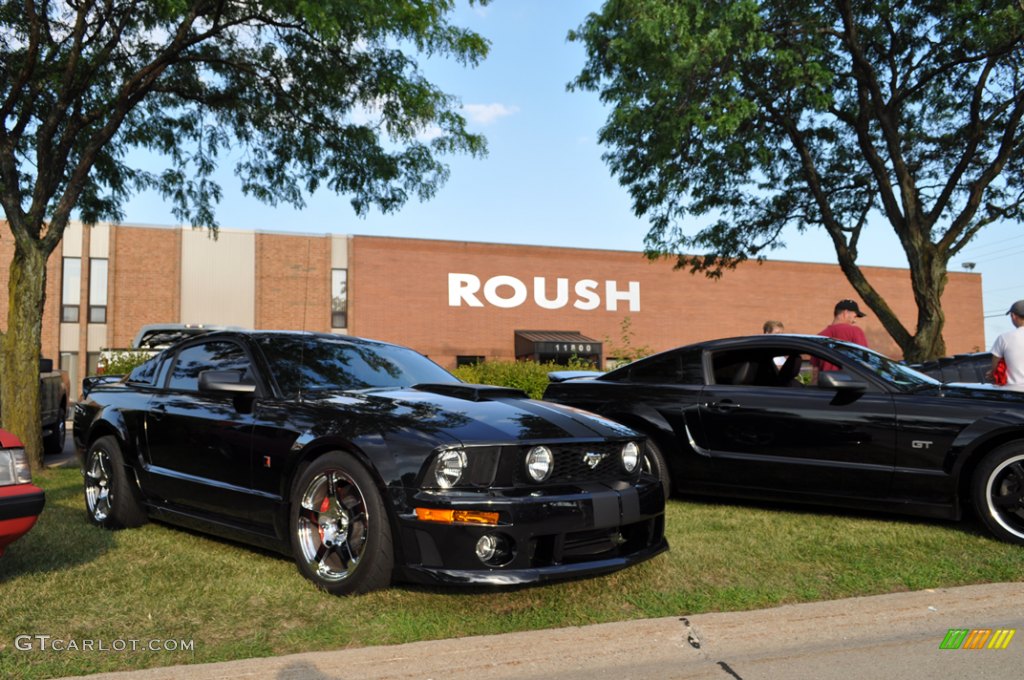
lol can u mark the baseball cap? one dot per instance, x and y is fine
(852, 306)
(1017, 308)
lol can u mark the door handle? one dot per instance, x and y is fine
(723, 406)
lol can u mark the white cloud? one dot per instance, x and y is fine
(485, 114)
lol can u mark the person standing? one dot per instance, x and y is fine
(1009, 347)
(773, 327)
(844, 316)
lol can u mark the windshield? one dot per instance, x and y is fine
(896, 374)
(303, 364)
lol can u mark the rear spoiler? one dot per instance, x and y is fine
(90, 383)
(563, 376)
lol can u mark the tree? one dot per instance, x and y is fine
(758, 116)
(304, 93)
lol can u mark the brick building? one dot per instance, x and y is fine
(454, 301)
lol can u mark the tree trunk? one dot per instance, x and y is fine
(929, 283)
(19, 387)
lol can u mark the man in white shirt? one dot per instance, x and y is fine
(1010, 348)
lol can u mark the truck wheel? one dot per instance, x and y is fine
(53, 443)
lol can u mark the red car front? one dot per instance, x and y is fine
(20, 500)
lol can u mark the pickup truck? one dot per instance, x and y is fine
(53, 406)
(150, 340)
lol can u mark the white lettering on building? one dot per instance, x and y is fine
(508, 292)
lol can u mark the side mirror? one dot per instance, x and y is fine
(225, 381)
(842, 381)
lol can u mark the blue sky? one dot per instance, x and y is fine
(543, 181)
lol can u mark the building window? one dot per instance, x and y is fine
(92, 363)
(468, 360)
(69, 364)
(71, 290)
(98, 290)
(339, 298)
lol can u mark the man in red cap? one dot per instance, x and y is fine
(1010, 348)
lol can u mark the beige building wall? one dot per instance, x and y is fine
(218, 278)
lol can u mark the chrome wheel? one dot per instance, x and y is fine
(1004, 495)
(97, 485)
(333, 525)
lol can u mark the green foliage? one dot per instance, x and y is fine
(732, 121)
(122, 363)
(623, 349)
(236, 602)
(303, 96)
(528, 376)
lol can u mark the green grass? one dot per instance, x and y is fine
(73, 581)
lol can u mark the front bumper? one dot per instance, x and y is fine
(555, 533)
(20, 505)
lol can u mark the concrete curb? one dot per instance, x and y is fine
(855, 637)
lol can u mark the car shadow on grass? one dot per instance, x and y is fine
(970, 524)
(62, 537)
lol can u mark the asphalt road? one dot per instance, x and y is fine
(885, 636)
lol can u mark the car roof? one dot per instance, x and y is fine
(739, 342)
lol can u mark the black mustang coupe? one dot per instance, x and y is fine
(364, 461)
(812, 419)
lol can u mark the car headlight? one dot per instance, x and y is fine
(449, 467)
(539, 463)
(630, 456)
(14, 468)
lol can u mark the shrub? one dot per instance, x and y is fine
(528, 376)
(122, 363)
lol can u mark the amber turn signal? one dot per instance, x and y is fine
(457, 516)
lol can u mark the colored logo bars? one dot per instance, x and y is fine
(982, 638)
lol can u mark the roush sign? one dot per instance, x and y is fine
(508, 292)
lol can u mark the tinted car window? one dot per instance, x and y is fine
(144, 373)
(898, 375)
(220, 356)
(306, 364)
(676, 367)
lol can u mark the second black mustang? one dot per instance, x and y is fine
(365, 461)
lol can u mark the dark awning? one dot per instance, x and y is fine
(537, 344)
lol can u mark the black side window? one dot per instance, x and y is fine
(218, 356)
(144, 373)
(681, 368)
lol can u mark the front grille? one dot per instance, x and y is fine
(596, 544)
(571, 463)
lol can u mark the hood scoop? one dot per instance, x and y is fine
(471, 392)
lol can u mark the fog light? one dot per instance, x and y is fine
(630, 456)
(539, 462)
(486, 547)
(494, 550)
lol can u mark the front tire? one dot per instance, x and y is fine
(341, 535)
(998, 492)
(655, 465)
(112, 499)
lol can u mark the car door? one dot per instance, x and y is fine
(795, 437)
(199, 443)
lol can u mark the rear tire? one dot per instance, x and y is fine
(998, 492)
(112, 499)
(53, 443)
(341, 533)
